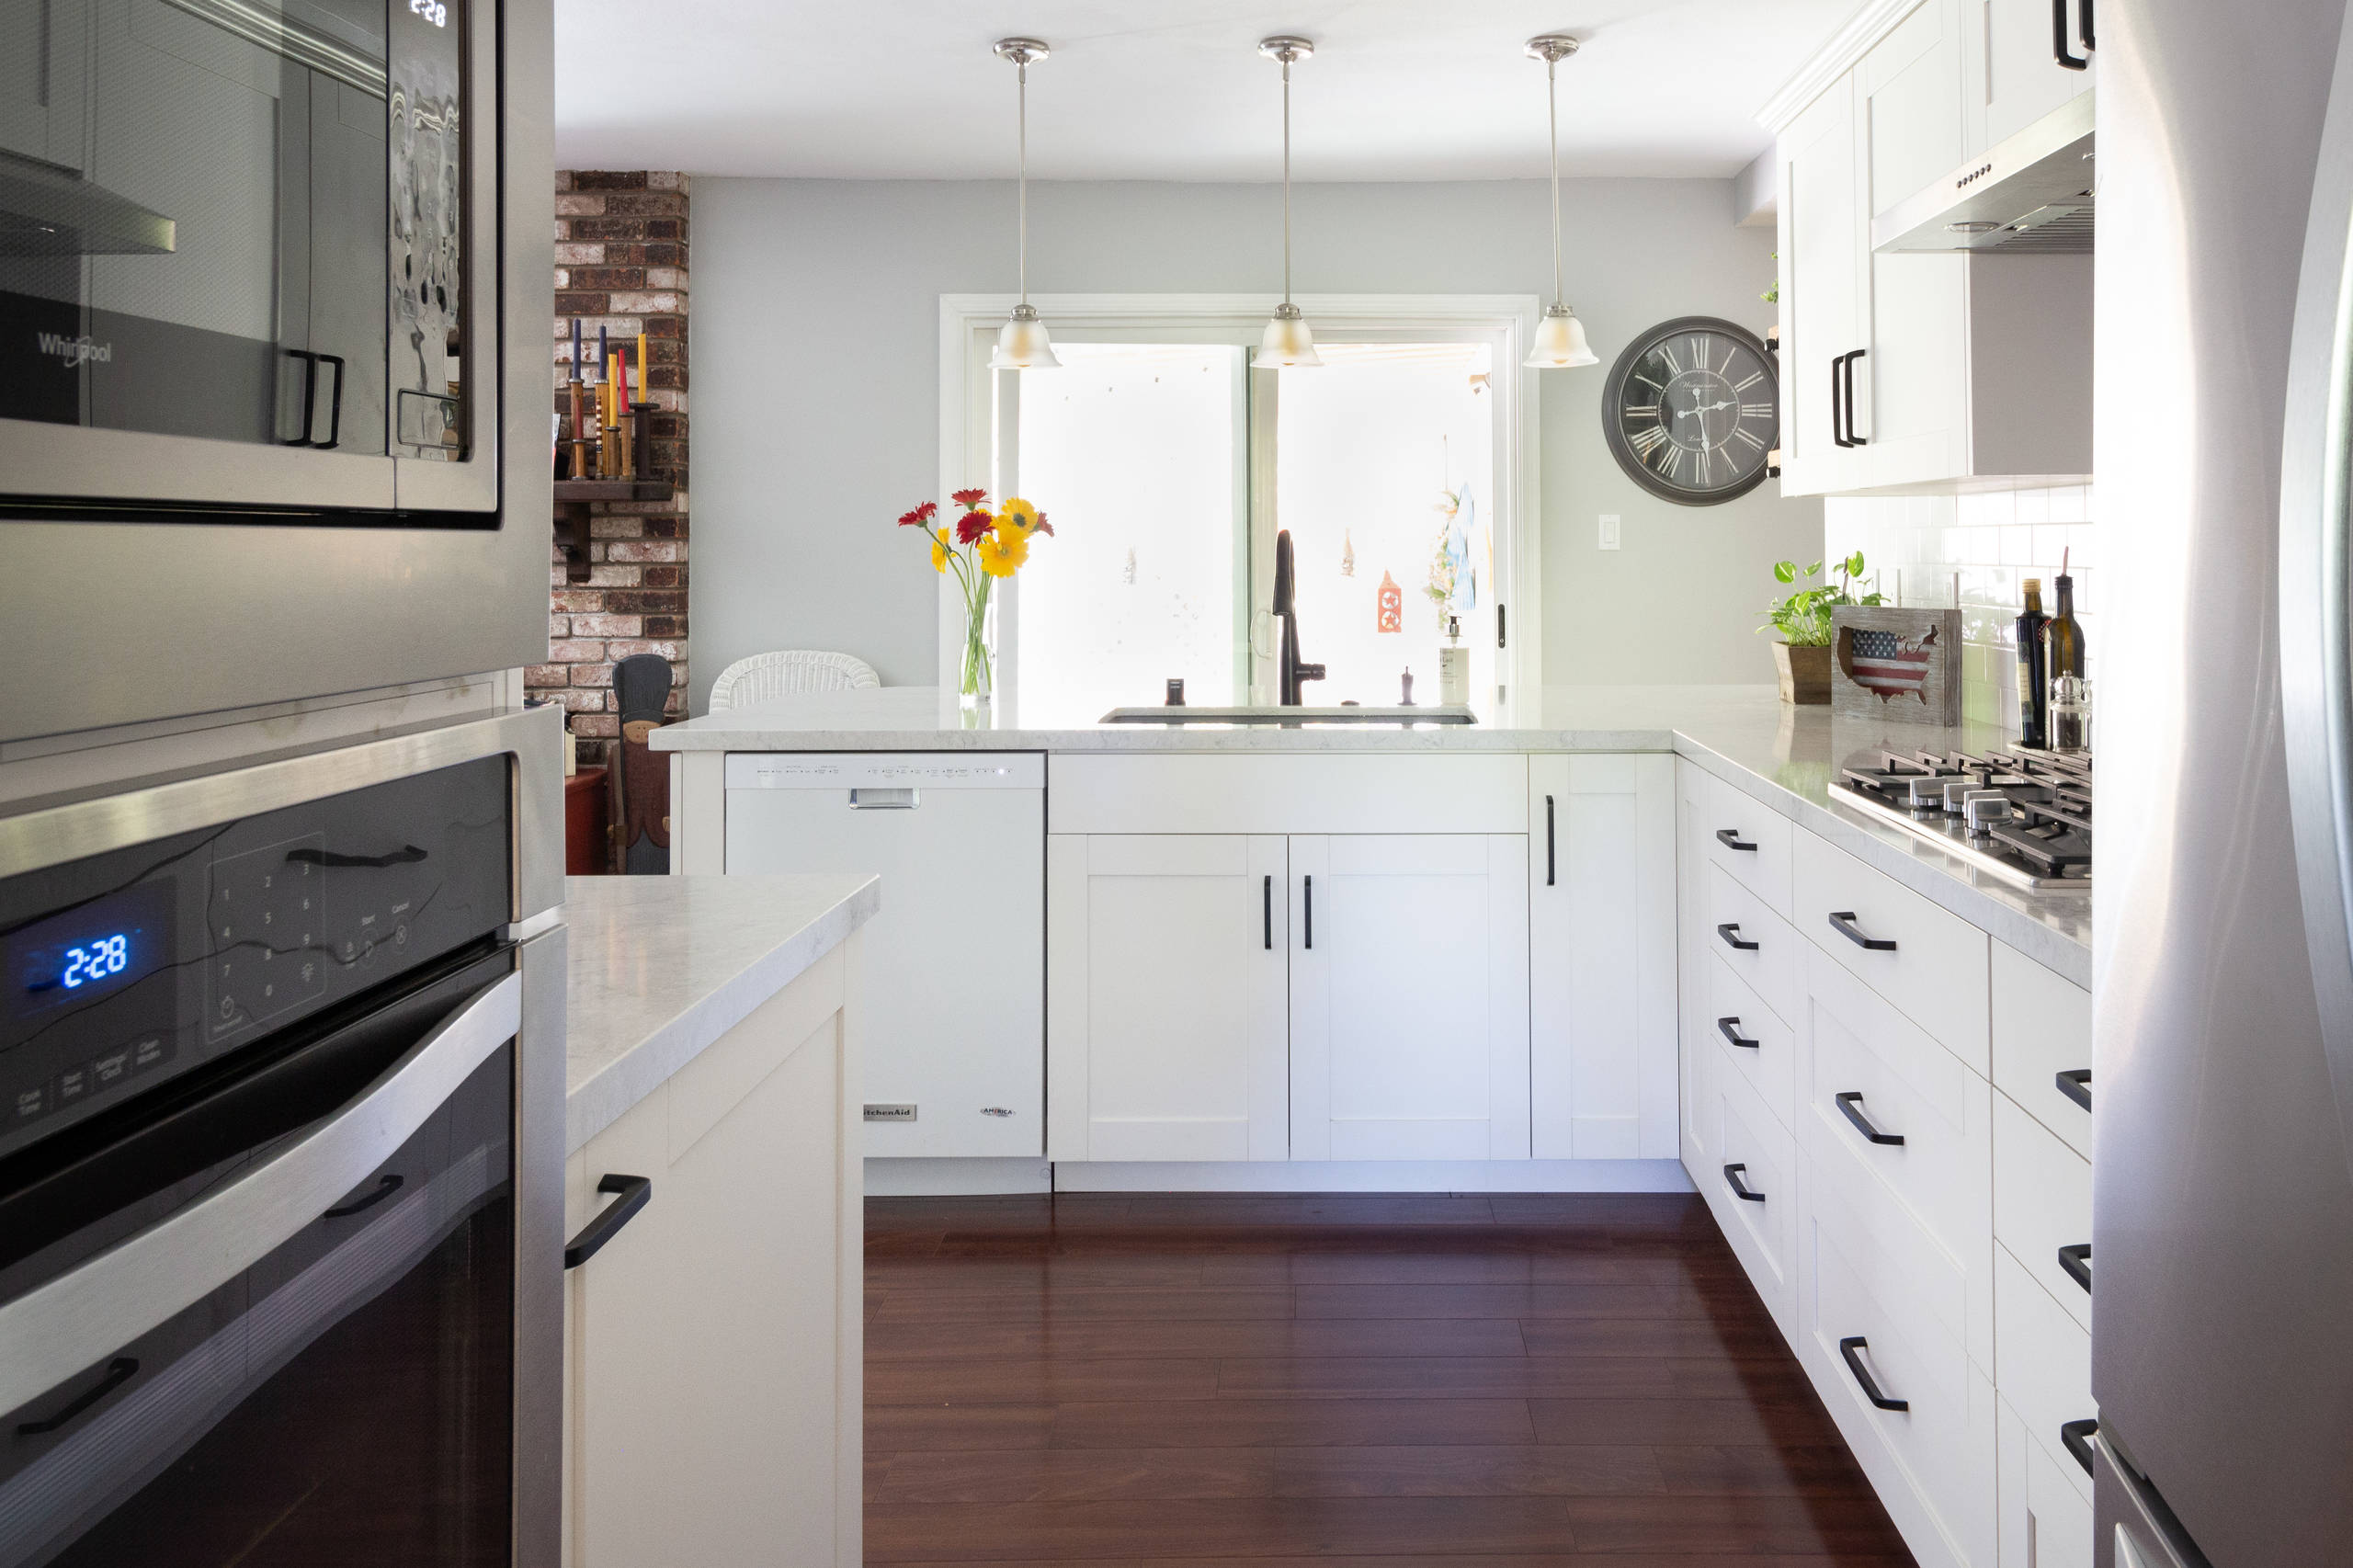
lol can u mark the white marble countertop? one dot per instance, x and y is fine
(660, 967)
(1782, 755)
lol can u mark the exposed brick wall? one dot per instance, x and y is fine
(621, 263)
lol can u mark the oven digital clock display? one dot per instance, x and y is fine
(84, 954)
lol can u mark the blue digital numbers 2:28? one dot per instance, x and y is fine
(101, 959)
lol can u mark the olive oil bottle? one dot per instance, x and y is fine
(2034, 684)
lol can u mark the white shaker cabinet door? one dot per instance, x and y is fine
(2016, 72)
(1824, 253)
(1601, 902)
(1409, 996)
(1165, 1012)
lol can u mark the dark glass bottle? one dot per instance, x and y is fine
(2063, 639)
(2034, 682)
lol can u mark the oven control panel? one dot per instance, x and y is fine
(122, 972)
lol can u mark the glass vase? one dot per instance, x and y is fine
(974, 701)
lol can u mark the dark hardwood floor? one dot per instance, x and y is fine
(1163, 1381)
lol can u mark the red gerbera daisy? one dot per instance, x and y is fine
(967, 499)
(920, 516)
(973, 525)
(1042, 526)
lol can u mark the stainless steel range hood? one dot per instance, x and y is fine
(2030, 196)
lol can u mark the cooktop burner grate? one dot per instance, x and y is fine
(2023, 816)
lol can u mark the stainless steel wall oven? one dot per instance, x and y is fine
(264, 269)
(280, 1165)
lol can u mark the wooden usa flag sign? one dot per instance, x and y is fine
(1896, 663)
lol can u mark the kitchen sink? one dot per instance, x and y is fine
(1273, 715)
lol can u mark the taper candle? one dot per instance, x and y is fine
(644, 381)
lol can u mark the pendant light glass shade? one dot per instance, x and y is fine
(1560, 342)
(1286, 345)
(1022, 343)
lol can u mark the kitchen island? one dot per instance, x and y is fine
(714, 1199)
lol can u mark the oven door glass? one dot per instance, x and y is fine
(345, 1397)
(240, 230)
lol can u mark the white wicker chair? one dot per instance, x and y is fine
(789, 672)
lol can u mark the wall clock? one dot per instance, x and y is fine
(1691, 409)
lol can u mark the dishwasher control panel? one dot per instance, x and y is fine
(886, 770)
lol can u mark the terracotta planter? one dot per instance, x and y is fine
(1805, 672)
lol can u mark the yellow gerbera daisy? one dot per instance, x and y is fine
(1018, 511)
(940, 543)
(1002, 549)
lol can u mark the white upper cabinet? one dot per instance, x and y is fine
(1912, 371)
(2016, 73)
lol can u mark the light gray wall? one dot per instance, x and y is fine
(816, 353)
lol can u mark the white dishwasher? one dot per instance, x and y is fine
(955, 991)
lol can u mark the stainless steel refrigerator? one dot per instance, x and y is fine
(2223, 1082)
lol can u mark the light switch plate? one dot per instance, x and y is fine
(1609, 530)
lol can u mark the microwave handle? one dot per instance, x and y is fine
(80, 1317)
(334, 406)
(310, 396)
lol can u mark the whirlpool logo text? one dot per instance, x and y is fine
(77, 351)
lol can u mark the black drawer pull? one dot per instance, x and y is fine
(120, 1370)
(386, 1185)
(1731, 839)
(1847, 1348)
(1726, 930)
(2060, 53)
(1842, 922)
(1729, 1029)
(2076, 1438)
(1267, 910)
(635, 1190)
(2076, 1085)
(1307, 904)
(2077, 1261)
(1847, 1103)
(1740, 1189)
(1548, 842)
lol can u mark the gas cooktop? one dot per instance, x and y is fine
(2025, 816)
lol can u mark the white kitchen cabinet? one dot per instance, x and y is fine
(1692, 820)
(1602, 962)
(1824, 254)
(44, 83)
(712, 1365)
(1409, 996)
(1167, 964)
(2014, 76)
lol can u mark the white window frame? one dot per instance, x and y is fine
(973, 450)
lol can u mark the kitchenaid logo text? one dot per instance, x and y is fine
(77, 351)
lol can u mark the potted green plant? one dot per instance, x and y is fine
(1803, 655)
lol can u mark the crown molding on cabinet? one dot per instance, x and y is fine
(1872, 22)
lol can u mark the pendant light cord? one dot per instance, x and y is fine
(1022, 67)
(1286, 179)
(1553, 102)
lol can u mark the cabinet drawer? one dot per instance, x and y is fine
(1737, 917)
(1736, 1013)
(1866, 1275)
(1936, 969)
(1285, 792)
(1755, 1154)
(1750, 841)
(1864, 1065)
(2045, 1365)
(2043, 1202)
(2043, 1035)
(2058, 1515)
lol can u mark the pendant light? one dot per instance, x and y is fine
(1021, 343)
(1287, 345)
(1560, 338)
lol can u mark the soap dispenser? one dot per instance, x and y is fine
(1454, 668)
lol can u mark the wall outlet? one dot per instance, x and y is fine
(1609, 530)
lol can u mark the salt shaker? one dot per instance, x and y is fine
(2070, 713)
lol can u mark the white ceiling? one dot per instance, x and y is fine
(1170, 89)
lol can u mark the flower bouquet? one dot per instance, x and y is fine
(979, 547)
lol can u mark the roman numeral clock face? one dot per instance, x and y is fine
(1691, 409)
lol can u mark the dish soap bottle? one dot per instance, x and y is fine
(1454, 668)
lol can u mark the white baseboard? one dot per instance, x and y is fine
(956, 1178)
(1373, 1176)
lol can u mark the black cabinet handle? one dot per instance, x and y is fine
(1847, 1103)
(1307, 898)
(635, 1190)
(310, 396)
(1549, 837)
(1741, 1189)
(1847, 1348)
(2084, 10)
(1731, 839)
(385, 1186)
(2075, 1436)
(1838, 431)
(1847, 365)
(334, 406)
(1842, 922)
(1726, 930)
(2058, 39)
(1267, 909)
(2076, 1085)
(120, 1370)
(2077, 1261)
(1730, 1029)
